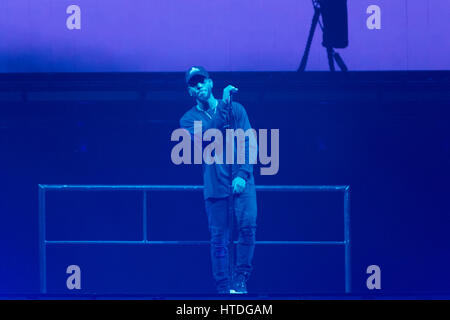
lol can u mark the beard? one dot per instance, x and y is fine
(204, 95)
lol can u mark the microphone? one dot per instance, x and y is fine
(230, 109)
(230, 101)
(232, 92)
(228, 106)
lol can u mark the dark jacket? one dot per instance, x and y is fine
(216, 177)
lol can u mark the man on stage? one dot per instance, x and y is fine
(225, 183)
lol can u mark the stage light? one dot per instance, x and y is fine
(334, 27)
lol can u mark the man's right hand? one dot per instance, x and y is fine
(227, 93)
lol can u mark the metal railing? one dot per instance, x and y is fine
(43, 242)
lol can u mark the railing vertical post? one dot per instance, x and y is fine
(144, 217)
(348, 269)
(42, 244)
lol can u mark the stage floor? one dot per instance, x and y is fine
(252, 297)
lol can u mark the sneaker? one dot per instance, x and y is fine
(239, 285)
(223, 291)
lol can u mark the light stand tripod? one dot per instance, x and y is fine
(332, 55)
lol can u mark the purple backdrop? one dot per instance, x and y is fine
(222, 35)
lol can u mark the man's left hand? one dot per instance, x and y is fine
(238, 185)
(226, 98)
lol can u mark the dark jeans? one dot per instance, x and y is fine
(245, 217)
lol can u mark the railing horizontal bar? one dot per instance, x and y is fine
(181, 187)
(188, 242)
(93, 242)
(303, 242)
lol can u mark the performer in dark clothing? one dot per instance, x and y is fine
(223, 182)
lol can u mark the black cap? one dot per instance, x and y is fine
(196, 71)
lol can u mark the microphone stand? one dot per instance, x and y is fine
(231, 124)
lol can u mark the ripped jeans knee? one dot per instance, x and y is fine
(219, 241)
(247, 235)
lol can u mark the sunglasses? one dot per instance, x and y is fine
(195, 80)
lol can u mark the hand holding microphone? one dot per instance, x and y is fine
(227, 92)
(226, 98)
